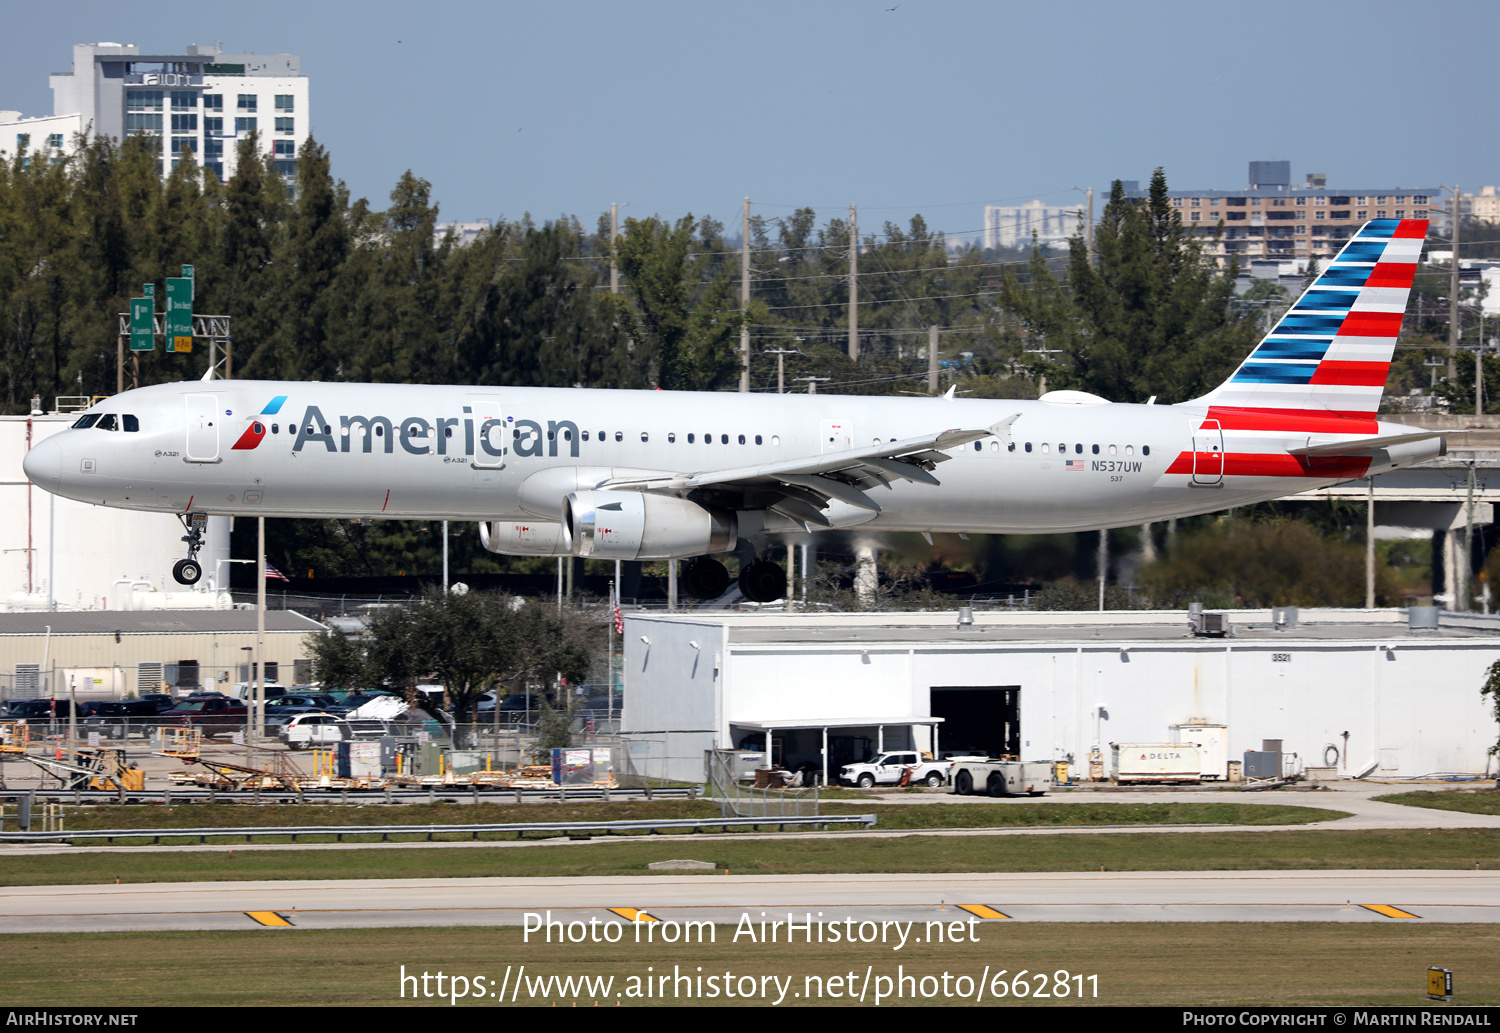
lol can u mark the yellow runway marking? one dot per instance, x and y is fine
(631, 914)
(1388, 911)
(982, 911)
(268, 918)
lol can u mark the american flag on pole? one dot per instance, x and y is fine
(614, 605)
(272, 574)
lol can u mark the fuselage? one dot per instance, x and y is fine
(1066, 463)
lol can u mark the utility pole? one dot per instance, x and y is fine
(745, 298)
(812, 383)
(853, 283)
(1453, 327)
(1088, 226)
(781, 354)
(614, 233)
(932, 362)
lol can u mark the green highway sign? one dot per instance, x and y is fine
(142, 330)
(187, 274)
(178, 323)
(148, 291)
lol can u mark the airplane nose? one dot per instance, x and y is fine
(43, 464)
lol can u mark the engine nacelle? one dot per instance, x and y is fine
(631, 525)
(523, 537)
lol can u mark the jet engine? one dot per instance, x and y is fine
(631, 525)
(524, 537)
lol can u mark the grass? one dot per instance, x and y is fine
(927, 816)
(1178, 964)
(1470, 801)
(1313, 849)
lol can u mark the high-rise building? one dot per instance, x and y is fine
(1275, 218)
(202, 101)
(1013, 227)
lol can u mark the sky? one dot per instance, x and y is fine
(672, 107)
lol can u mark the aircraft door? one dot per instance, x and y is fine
(490, 435)
(1208, 453)
(203, 419)
(836, 435)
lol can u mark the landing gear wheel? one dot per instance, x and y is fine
(963, 784)
(763, 582)
(187, 572)
(705, 578)
(996, 784)
(935, 779)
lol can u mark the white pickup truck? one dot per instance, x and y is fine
(1001, 777)
(886, 769)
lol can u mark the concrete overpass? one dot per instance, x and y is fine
(1437, 496)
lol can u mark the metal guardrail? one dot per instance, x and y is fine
(332, 796)
(385, 831)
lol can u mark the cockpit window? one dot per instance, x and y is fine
(106, 422)
(132, 425)
(86, 421)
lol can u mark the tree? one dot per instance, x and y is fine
(1146, 314)
(689, 321)
(1491, 690)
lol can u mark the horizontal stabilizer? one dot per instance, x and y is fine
(1354, 446)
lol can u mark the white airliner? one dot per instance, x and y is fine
(660, 475)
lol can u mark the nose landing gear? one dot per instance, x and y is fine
(188, 571)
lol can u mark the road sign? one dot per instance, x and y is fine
(187, 274)
(178, 322)
(148, 291)
(142, 328)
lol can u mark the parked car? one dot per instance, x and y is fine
(304, 731)
(888, 766)
(212, 714)
(35, 711)
(119, 719)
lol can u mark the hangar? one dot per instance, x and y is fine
(1383, 692)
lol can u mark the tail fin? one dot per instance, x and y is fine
(1331, 353)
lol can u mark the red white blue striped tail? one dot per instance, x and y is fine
(1330, 354)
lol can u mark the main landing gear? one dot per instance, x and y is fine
(761, 581)
(188, 571)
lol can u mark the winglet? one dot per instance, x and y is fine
(1002, 429)
(951, 389)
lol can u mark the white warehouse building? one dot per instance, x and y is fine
(1356, 690)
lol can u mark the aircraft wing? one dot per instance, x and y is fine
(801, 488)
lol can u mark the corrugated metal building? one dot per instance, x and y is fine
(1356, 690)
(111, 654)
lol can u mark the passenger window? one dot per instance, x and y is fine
(1079, 449)
(994, 446)
(1130, 450)
(978, 446)
(1096, 450)
(132, 425)
(585, 435)
(1028, 446)
(1045, 448)
(692, 439)
(644, 436)
(757, 439)
(379, 430)
(276, 428)
(86, 421)
(1112, 450)
(671, 438)
(775, 440)
(106, 422)
(1145, 450)
(619, 436)
(723, 439)
(1011, 447)
(742, 439)
(447, 432)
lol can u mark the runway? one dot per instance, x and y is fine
(972, 899)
